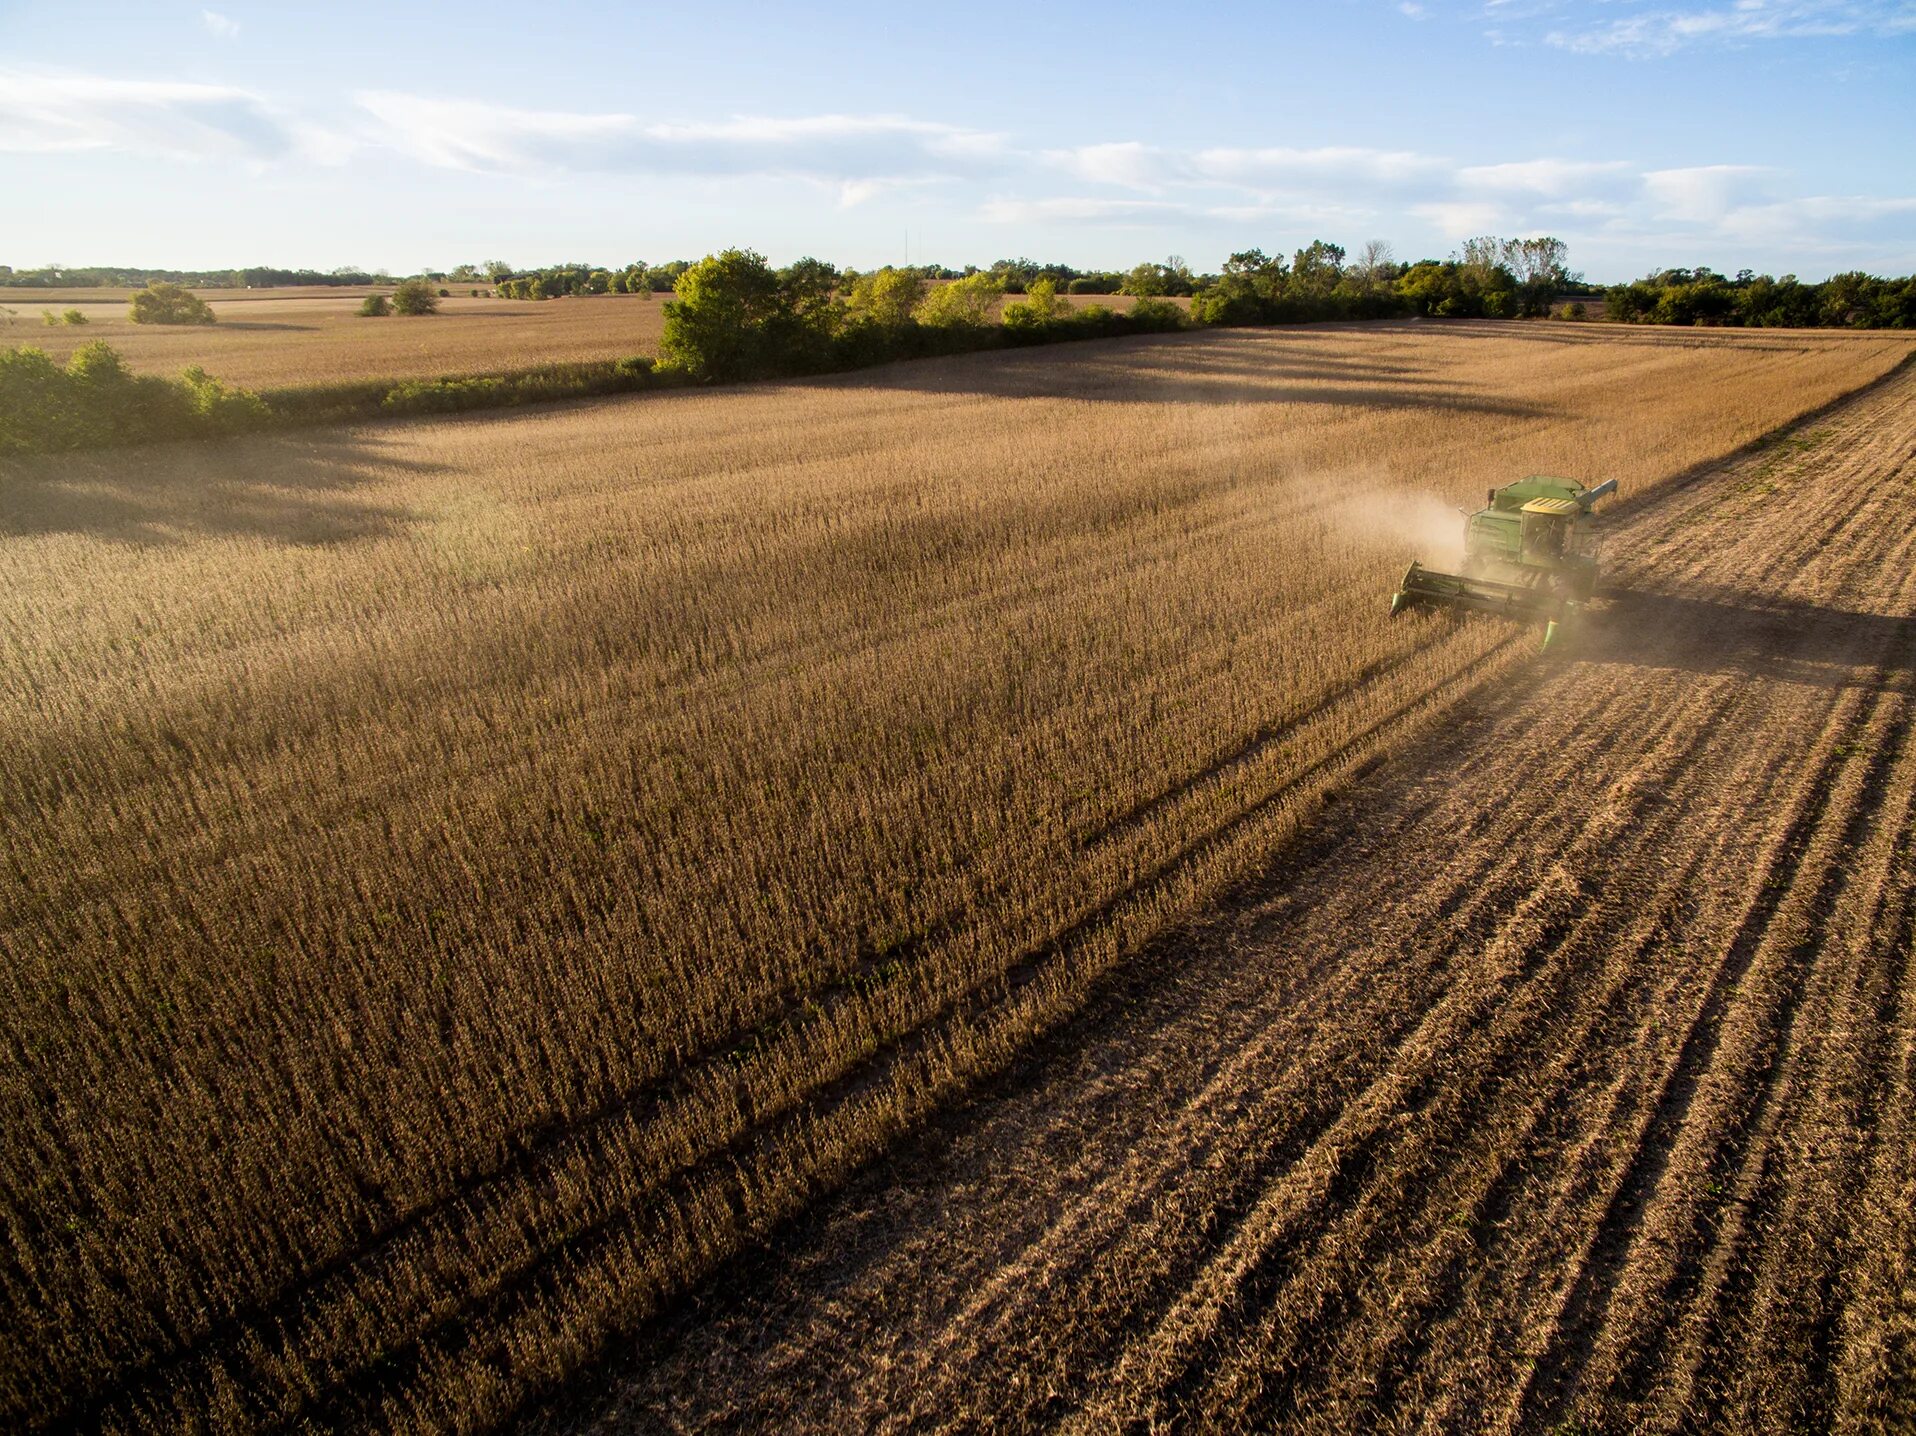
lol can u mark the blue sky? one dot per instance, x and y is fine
(1773, 134)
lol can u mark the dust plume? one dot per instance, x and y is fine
(1417, 525)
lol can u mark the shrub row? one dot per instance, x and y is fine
(95, 400)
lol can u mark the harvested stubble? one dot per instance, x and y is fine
(1562, 1078)
(465, 878)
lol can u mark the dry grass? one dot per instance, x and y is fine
(267, 342)
(1560, 1080)
(466, 877)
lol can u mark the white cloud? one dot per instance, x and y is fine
(224, 26)
(1460, 219)
(1126, 163)
(51, 114)
(1079, 209)
(859, 151)
(1339, 165)
(1548, 177)
(1703, 193)
(1664, 32)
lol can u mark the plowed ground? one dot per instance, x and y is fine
(1562, 1081)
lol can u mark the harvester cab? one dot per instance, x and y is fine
(1530, 553)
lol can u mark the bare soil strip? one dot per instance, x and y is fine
(1563, 1081)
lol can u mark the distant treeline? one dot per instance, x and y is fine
(113, 277)
(1702, 296)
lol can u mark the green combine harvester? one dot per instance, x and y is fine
(1530, 553)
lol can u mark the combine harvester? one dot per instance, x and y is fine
(1529, 554)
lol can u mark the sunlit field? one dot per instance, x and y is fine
(465, 878)
(267, 342)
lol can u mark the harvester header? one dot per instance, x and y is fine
(1530, 553)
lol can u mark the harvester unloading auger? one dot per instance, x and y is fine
(1530, 553)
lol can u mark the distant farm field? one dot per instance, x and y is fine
(273, 339)
(467, 878)
(264, 342)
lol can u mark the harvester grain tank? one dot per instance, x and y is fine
(1530, 553)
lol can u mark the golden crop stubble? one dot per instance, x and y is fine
(433, 846)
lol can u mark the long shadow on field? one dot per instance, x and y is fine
(293, 491)
(1615, 335)
(1779, 639)
(265, 326)
(1229, 368)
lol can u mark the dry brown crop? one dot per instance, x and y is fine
(465, 878)
(1560, 1079)
(269, 342)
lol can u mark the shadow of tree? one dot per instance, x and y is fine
(1590, 332)
(1217, 367)
(294, 489)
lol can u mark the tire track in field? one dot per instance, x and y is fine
(1402, 1138)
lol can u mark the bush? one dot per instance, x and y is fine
(50, 319)
(220, 409)
(375, 306)
(1157, 316)
(74, 317)
(415, 296)
(164, 303)
(445, 294)
(443, 396)
(96, 400)
(1039, 307)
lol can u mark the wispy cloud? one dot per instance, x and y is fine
(1081, 209)
(48, 114)
(1245, 193)
(1551, 177)
(224, 26)
(856, 153)
(1664, 32)
(1702, 194)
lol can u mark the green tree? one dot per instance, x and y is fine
(1539, 268)
(961, 303)
(1146, 281)
(375, 306)
(415, 296)
(164, 303)
(886, 296)
(1316, 270)
(730, 319)
(811, 288)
